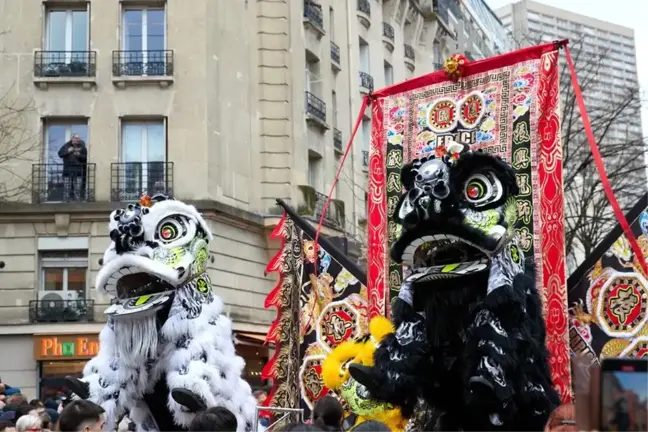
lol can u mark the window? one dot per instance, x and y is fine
(313, 81)
(314, 162)
(366, 140)
(55, 182)
(389, 74)
(332, 24)
(144, 40)
(364, 56)
(67, 30)
(58, 132)
(143, 155)
(64, 273)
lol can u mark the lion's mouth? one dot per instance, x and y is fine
(140, 284)
(439, 250)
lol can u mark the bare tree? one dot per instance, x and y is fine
(18, 146)
(588, 214)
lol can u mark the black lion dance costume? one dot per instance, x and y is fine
(167, 350)
(469, 350)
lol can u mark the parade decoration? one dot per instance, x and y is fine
(608, 294)
(358, 402)
(507, 106)
(167, 350)
(469, 334)
(455, 66)
(321, 300)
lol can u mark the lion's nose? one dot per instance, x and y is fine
(441, 190)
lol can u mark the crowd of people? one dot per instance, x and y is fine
(17, 414)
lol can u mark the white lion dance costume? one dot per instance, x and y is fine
(167, 350)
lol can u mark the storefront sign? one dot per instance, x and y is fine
(65, 347)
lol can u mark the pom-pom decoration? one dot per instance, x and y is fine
(145, 200)
(455, 66)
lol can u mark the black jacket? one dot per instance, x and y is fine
(73, 162)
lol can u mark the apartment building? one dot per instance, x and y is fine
(225, 105)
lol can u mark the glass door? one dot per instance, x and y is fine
(144, 41)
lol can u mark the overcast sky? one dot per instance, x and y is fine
(628, 13)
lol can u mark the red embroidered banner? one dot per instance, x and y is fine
(506, 105)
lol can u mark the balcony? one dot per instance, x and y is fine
(129, 180)
(410, 57)
(56, 183)
(388, 36)
(337, 141)
(366, 83)
(316, 111)
(312, 204)
(143, 66)
(364, 13)
(314, 17)
(441, 8)
(365, 159)
(335, 57)
(65, 67)
(48, 311)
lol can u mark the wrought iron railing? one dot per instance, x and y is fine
(337, 140)
(44, 310)
(330, 216)
(366, 81)
(65, 64)
(313, 13)
(63, 183)
(437, 66)
(409, 52)
(315, 107)
(335, 52)
(365, 7)
(143, 63)
(388, 31)
(365, 158)
(129, 180)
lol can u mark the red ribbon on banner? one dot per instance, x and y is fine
(598, 160)
(365, 103)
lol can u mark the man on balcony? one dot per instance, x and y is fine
(75, 156)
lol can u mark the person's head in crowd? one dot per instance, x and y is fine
(81, 416)
(23, 410)
(29, 423)
(371, 426)
(300, 427)
(6, 426)
(260, 396)
(328, 414)
(216, 419)
(46, 421)
(562, 419)
(17, 399)
(51, 404)
(53, 417)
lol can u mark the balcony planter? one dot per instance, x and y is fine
(364, 13)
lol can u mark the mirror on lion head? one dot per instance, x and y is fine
(157, 246)
(457, 211)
